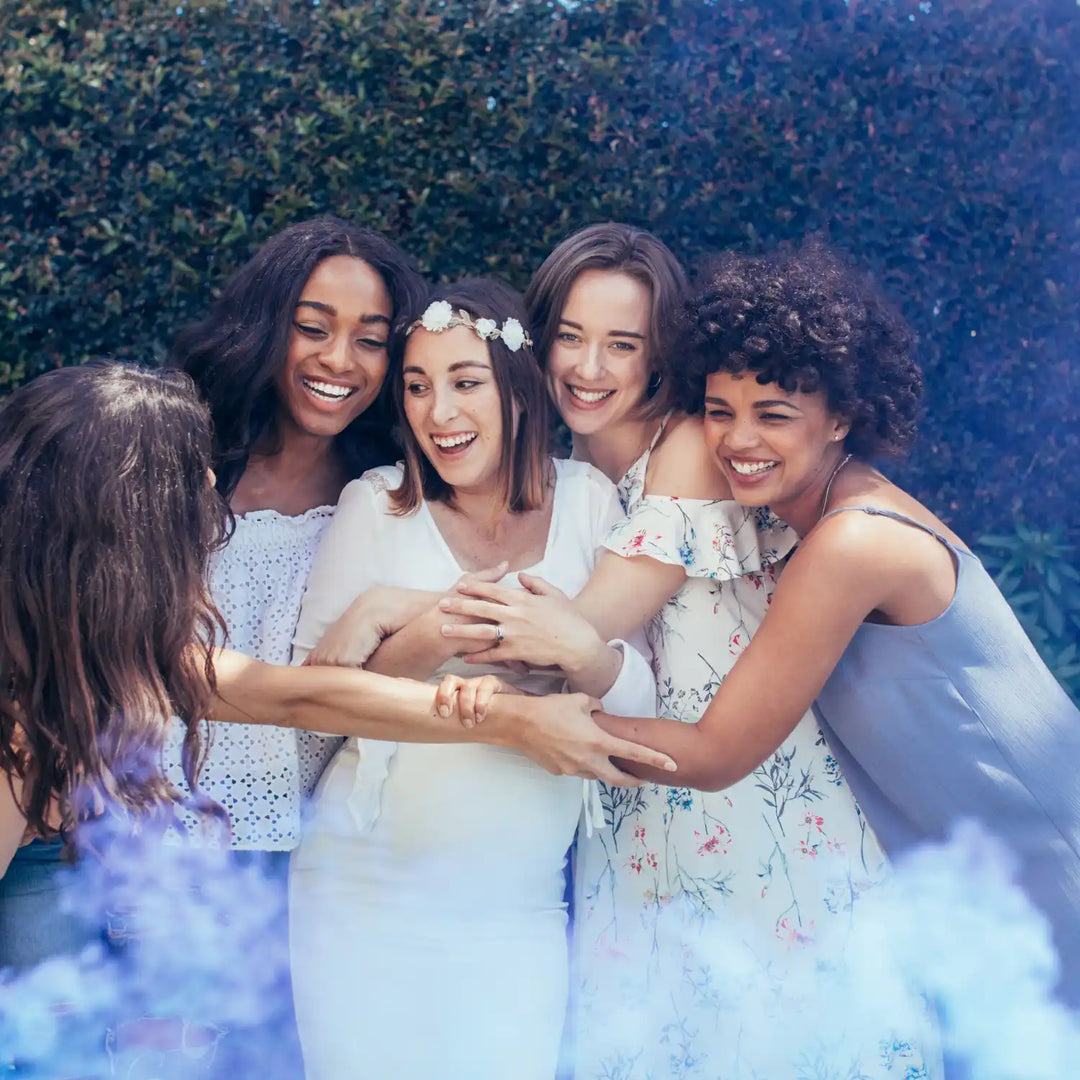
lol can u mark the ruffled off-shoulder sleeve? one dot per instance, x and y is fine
(715, 539)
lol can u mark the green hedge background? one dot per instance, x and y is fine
(146, 149)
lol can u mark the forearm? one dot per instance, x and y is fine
(623, 594)
(334, 701)
(594, 672)
(705, 762)
(415, 651)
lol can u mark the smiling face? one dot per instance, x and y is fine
(598, 365)
(772, 445)
(337, 358)
(453, 407)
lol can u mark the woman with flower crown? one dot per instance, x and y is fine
(428, 923)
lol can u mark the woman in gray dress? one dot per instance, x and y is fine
(929, 692)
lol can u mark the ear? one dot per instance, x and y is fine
(841, 427)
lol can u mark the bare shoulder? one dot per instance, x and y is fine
(897, 556)
(681, 464)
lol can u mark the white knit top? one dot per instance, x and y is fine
(261, 774)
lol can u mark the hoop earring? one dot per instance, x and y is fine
(655, 379)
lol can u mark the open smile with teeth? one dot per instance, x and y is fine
(451, 442)
(590, 397)
(328, 391)
(752, 468)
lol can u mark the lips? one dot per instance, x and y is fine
(454, 443)
(584, 398)
(750, 469)
(332, 393)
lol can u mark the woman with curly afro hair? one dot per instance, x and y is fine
(928, 691)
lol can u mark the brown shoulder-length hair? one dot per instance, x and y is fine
(109, 521)
(626, 250)
(524, 468)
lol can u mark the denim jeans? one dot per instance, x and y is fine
(91, 1042)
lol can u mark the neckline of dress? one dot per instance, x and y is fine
(268, 514)
(534, 567)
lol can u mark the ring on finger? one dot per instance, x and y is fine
(500, 637)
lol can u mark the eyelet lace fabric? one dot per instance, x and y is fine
(260, 774)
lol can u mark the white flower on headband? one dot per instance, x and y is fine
(438, 316)
(513, 336)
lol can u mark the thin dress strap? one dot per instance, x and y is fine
(660, 430)
(632, 485)
(881, 512)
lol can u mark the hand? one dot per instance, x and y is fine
(470, 696)
(538, 623)
(557, 731)
(375, 614)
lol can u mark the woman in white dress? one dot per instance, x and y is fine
(428, 923)
(691, 908)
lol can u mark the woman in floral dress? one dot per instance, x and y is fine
(692, 911)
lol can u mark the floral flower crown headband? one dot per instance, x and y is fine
(440, 316)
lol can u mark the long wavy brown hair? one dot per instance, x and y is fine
(108, 522)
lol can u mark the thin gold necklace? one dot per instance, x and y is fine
(828, 486)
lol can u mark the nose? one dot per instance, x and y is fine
(336, 355)
(591, 365)
(741, 434)
(443, 407)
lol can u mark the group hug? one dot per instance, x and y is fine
(554, 758)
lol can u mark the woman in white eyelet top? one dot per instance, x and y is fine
(291, 361)
(260, 774)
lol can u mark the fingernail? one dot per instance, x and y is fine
(671, 766)
(444, 604)
(444, 711)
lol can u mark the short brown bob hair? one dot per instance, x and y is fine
(624, 249)
(524, 468)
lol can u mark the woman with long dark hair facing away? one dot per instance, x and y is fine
(427, 917)
(110, 520)
(773, 863)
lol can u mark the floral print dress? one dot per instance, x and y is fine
(692, 909)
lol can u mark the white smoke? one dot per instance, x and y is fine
(951, 928)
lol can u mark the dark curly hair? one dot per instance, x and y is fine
(807, 321)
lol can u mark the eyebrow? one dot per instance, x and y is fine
(757, 404)
(453, 367)
(610, 333)
(330, 310)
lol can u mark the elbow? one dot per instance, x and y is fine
(711, 769)
(705, 776)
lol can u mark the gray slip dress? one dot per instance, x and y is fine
(959, 718)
